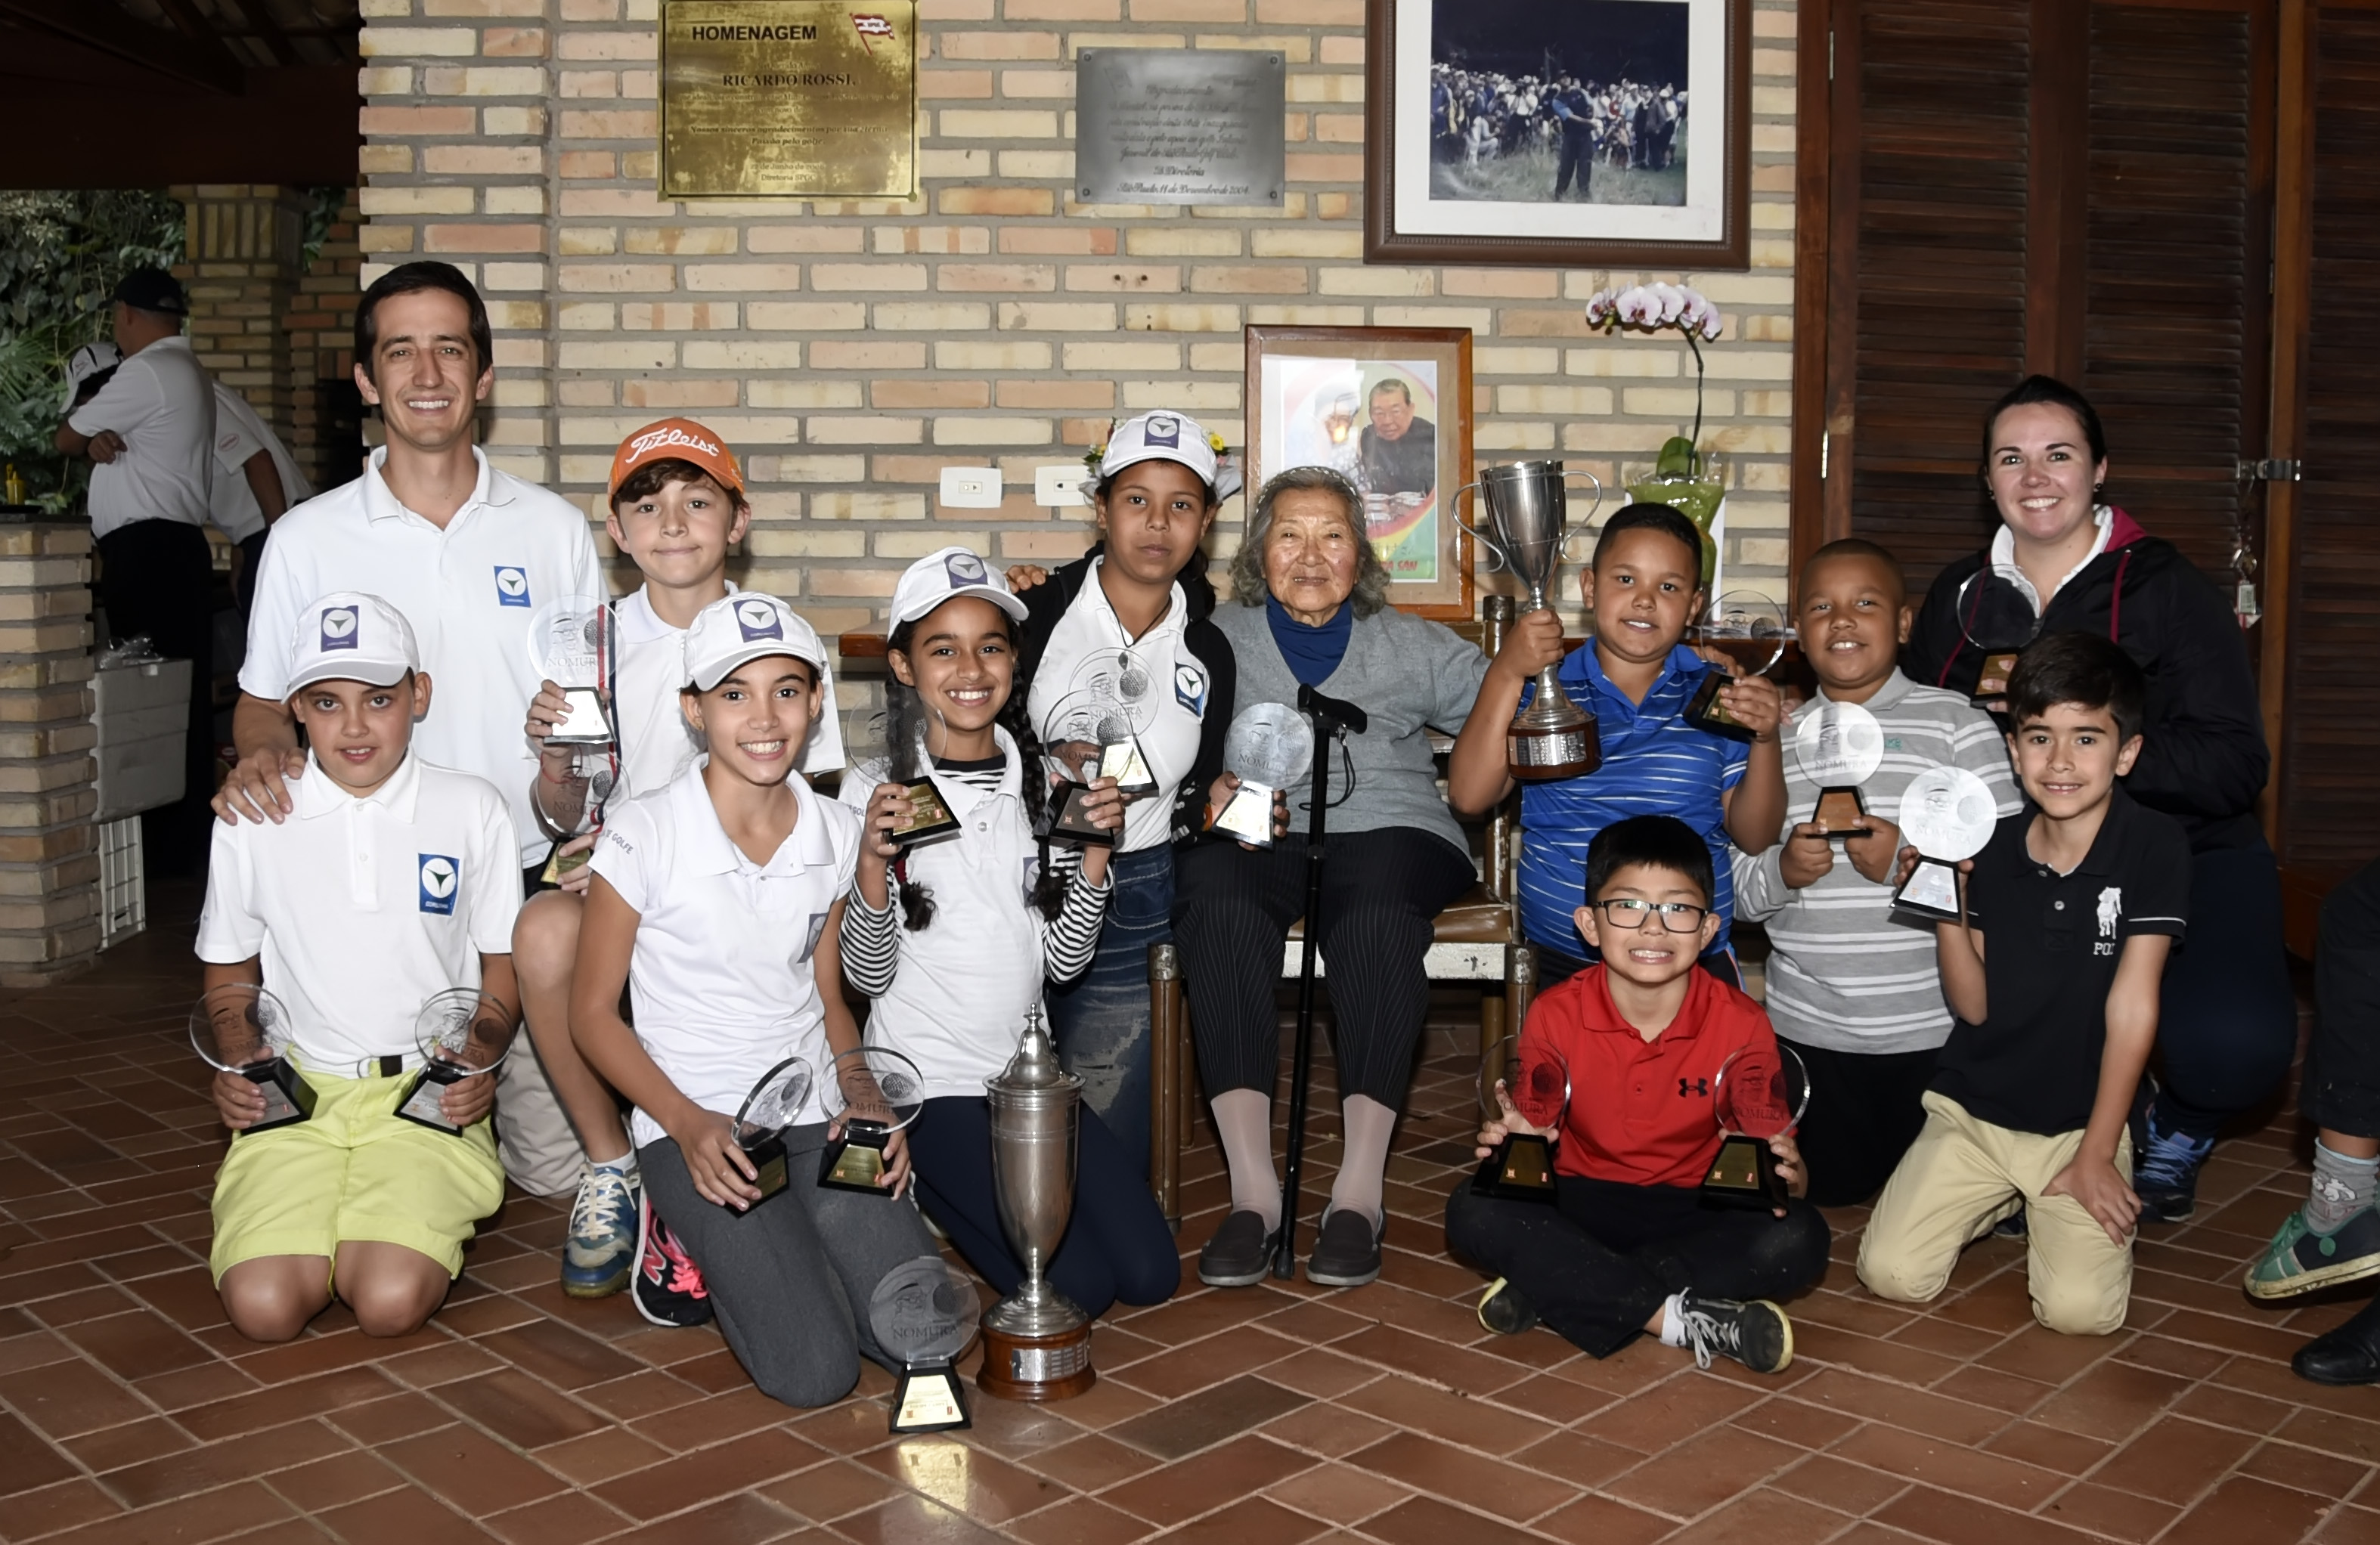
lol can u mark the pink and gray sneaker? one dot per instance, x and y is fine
(668, 1286)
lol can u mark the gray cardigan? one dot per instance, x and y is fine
(1405, 672)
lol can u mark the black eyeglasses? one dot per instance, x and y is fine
(1677, 917)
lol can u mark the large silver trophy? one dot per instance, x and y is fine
(1036, 1344)
(1527, 523)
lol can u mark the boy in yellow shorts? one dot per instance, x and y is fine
(392, 881)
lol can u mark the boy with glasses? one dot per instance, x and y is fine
(1629, 1247)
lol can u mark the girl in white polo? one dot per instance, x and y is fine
(983, 918)
(723, 890)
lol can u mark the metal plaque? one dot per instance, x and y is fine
(789, 99)
(1170, 126)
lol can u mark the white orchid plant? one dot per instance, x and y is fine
(1649, 309)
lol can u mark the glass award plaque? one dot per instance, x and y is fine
(570, 644)
(924, 1313)
(1095, 729)
(774, 1104)
(1948, 815)
(1762, 1092)
(1838, 746)
(240, 1028)
(1269, 746)
(462, 1032)
(1749, 629)
(1537, 1084)
(869, 1093)
(1995, 622)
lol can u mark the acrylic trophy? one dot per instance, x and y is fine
(239, 1028)
(1269, 746)
(1762, 1092)
(928, 817)
(1537, 1082)
(570, 644)
(462, 1032)
(1839, 745)
(1946, 815)
(924, 1313)
(1995, 622)
(869, 1093)
(1094, 733)
(1748, 628)
(774, 1104)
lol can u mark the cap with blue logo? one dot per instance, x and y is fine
(954, 571)
(1171, 437)
(350, 637)
(749, 625)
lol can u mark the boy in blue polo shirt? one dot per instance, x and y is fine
(1636, 679)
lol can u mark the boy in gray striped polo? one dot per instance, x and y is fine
(1856, 993)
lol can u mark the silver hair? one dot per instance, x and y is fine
(1248, 587)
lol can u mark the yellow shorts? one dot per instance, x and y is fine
(353, 1171)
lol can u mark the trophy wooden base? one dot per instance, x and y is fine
(1540, 753)
(1743, 1174)
(1839, 811)
(1706, 713)
(1522, 1169)
(1055, 1367)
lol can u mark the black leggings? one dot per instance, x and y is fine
(1380, 890)
(1598, 1264)
(1864, 1114)
(1116, 1245)
(2342, 1075)
(2227, 1017)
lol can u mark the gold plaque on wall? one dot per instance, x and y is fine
(779, 98)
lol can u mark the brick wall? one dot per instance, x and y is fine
(850, 350)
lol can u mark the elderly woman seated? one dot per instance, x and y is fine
(1311, 606)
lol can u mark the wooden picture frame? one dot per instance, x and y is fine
(1310, 395)
(1433, 195)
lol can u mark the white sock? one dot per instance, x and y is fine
(625, 1165)
(1243, 1122)
(1673, 1320)
(1364, 1161)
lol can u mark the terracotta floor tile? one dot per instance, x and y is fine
(1175, 1495)
(1184, 1425)
(1255, 1521)
(1771, 1517)
(469, 1470)
(249, 1457)
(1591, 1520)
(570, 1518)
(2325, 1475)
(1575, 1458)
(1081, 1521)
(2051, 1449)
(53, 1509)
(1456, 1418)
(1331, 1431)
(2103, 1510)
(2349, 1526)
(2243, 1508)
(1702, 1473)
(1667, 1413)
(1091, 1463)
(980, 1486)
(1953, 1520)
(25, 1462)
(134, 1443)
(1854, 1394)
(1840, 1485)
(1485, 1485)
(334, 1480)
(907, 1519)
(214, 1515)
(71, 1397)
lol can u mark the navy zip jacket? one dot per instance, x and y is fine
(2205, 761)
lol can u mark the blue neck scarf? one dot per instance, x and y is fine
(1312, 654)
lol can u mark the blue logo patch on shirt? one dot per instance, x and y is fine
(440, 878)
(1190, 689)
(339, 630)
(758, 619)
(512, 584)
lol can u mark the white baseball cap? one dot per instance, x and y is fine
(953, 571)
(750, 625)
(84, 363)
(1171, 437)
(350, 637)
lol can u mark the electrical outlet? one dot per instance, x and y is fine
(1060, 486)
(971, 488)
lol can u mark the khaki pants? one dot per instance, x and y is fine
(1963, 1175)
(542, 1153)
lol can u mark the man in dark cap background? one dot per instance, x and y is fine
(150, 436)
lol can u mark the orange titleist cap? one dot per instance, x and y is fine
(676, 440)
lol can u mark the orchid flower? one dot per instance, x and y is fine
(1650, 308)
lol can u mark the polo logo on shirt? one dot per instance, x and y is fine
(965, 568)
(1892, 743)
(2111, 912)
(1190, 689)
(439, 876)
(1163, 429)
(512, 584)
(758, 619)
(818, 927)
(339, 630)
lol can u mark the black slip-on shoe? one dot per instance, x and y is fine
(1348, 1252)
(2349, 1354)
(1240, 1254)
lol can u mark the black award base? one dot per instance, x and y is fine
(1071, 827)
(1522, 1169)
(424, 1098)
(767, 1156)
(852, 1161)
(288, 1098)
(1705, 711)
(1743, 1174)
(929, 820)
(1931, 891)
(929, 1399)
(1839, 811)
(1248, 815)
(1990, 692)
(1122, 760)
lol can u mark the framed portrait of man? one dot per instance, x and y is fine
(1390, 409)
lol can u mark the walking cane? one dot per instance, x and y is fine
(1328, 714)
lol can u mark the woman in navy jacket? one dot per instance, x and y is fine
(2064, 561)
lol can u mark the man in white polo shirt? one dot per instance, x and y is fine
(467, 554)
(148, 434)
(256, 482)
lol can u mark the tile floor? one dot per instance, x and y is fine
(129, 1412)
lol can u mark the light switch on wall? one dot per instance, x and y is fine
(971, 488)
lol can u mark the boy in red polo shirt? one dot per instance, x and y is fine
(1631, 1248)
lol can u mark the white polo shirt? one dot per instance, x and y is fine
(1090, 641)
(722, 969)
(656, 742)
(362, 909)
(240, 435)
(468, 591)
(163, 403)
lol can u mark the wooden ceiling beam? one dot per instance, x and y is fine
(113, 31)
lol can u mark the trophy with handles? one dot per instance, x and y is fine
(1527, 523)
(1037, 1342)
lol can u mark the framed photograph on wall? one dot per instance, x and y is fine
(1390, 408)
(1587, 134)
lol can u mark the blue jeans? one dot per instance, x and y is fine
(1101, 1017)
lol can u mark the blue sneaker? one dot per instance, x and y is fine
(602, 1250)
(2165, 1172)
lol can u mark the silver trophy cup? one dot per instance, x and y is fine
(1037, 1343)
(1528, 522)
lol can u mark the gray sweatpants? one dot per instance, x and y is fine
(790, 1279)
